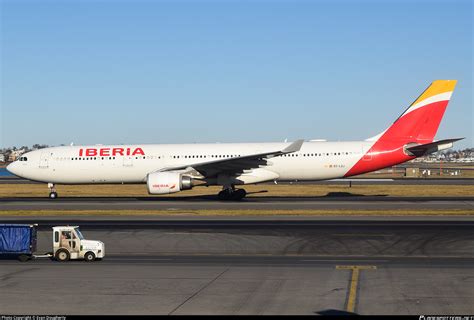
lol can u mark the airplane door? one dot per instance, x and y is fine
(127, 161)
(44, 163)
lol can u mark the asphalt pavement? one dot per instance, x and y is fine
(252, 267)
(332, 202)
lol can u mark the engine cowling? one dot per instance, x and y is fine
(167, 182)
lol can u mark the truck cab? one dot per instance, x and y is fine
(70, 244)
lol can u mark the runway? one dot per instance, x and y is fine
(355, 202)
(252, 267)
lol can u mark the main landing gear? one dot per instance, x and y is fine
(52, 191)
(230, 193)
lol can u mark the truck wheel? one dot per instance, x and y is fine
(89, 256)
(23, 257)
(62, 255)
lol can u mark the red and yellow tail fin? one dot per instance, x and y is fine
(420, 122)
(417, 126)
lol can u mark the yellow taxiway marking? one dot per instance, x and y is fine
(352, 294)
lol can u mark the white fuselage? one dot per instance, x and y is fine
(169, 168)
(69, 165)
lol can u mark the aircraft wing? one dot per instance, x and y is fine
(424, 149)
(232, 166)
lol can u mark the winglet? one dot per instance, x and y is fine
(294, 147)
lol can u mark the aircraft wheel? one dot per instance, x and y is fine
(239, 194)
(53, 195)
(224, 195)
(236, 195)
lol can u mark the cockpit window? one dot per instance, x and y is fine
(23, 159)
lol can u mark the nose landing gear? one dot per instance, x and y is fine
(52, 191)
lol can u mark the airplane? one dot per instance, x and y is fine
(170, 168)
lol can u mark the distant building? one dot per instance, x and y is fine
(15, 154)
(412, 172)
(2, 157)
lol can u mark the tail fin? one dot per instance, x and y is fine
(420, 121)
(412, 134)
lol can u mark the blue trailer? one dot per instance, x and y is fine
(18, 240)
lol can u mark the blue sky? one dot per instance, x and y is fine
(231, 71)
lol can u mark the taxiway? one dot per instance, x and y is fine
(253, 267)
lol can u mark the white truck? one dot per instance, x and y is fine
(20, 241)
(70, 244)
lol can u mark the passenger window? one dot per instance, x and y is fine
(56, 236)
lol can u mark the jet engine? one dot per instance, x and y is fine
(167, 182)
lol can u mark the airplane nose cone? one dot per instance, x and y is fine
(13, 168)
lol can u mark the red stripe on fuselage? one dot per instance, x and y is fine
(417, 126)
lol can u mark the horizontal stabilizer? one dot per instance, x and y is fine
(424, 149)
